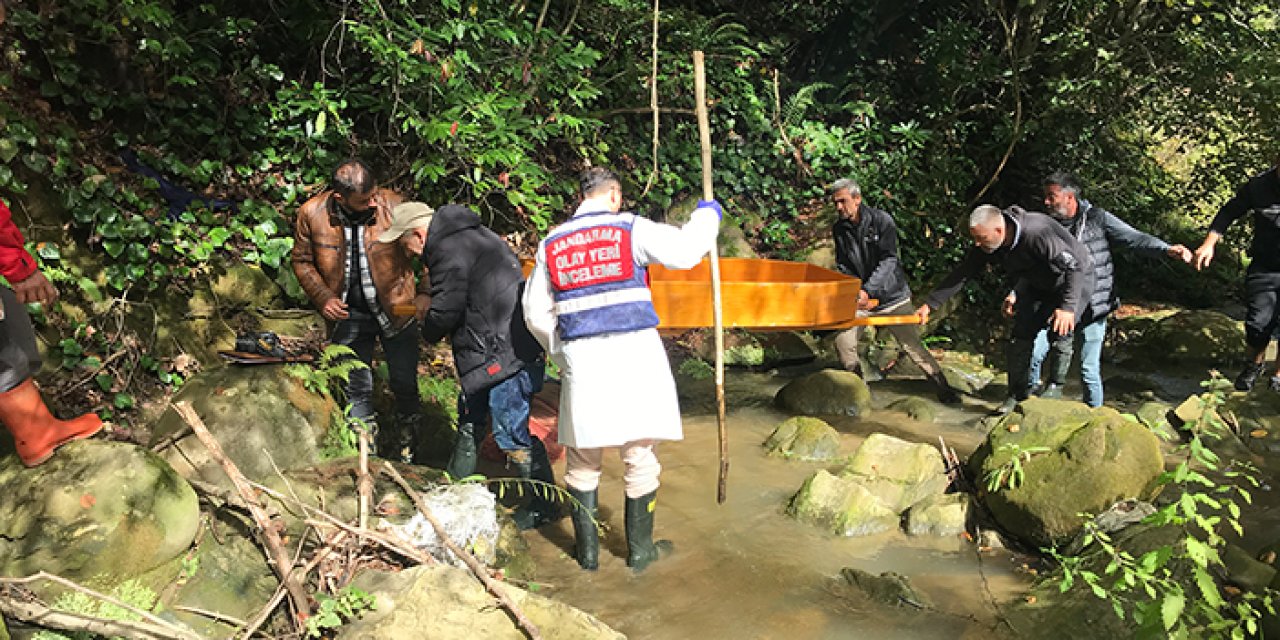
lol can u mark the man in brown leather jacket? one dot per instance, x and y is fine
(356, 281)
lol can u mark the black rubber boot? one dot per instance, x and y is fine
(946, 394)
(585, 534)
(1019, 367)
(541, 508)
(1246, 379)
(400, 445)
(463, 461)
(1059, 362)
(642, 549)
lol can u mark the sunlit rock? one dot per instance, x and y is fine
(804, 438)
(826, 392)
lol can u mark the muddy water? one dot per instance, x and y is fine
(743, 569)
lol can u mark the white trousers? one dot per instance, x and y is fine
(583, 466)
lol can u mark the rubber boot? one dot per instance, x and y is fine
(946, 394)
(400, 445)
(585, 534)
(463, 461)
(541, 508)
(1060, 353)
(36, 433)
(1247, 377)
(642, 549)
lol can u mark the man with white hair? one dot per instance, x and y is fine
(588, 303)
(1050, 272)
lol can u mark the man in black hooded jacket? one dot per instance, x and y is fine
(476, 286)
(867, 248)
(1051, 274)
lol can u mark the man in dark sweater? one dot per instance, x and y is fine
(476, 285)
(867, 248)
(1097, 229)
(1261, 195)
(1051, 274)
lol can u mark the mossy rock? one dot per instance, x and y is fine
(944, 515)
(966, 372)
(826, 392)
(804, 438)
(95, 509)
(1245, 571)
(1256, 417)
(887, 588)
(918, 409)
(442, 602)
(731, 240)
(898, 472)
(1248, 414)
(1083, 461)
(1195, 337)
(263, 418)
(841, 505)
(760, 350)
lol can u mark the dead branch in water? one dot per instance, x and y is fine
(476, 567)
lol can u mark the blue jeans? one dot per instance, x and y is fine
(1090, 337)
(401, 352)
(508, 403)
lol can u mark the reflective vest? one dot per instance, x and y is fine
(597, 285)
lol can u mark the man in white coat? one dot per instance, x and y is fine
(588, 303)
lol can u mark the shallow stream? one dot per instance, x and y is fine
(744, 569)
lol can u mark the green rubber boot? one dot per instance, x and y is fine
(463, 461)
(541, 508)
(642, 549)
(585, 534)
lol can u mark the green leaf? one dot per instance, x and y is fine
(104, 380)
(8, 150)
(1171, 609)
(123, 401)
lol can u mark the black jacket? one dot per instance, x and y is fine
(1098, 229)
(1043, 262)
(476, 285)
(868, 249)
(1261, 195)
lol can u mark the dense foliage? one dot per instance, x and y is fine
(934, 106)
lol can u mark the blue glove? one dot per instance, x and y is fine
(712, 205)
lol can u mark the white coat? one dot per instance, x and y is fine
(617, 388)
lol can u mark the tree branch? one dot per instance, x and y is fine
(478, 569)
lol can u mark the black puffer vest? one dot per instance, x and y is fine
(1089, 227)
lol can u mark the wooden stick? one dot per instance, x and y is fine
(364, 482)
(280, 560)
(40, 615)
(154, 626)
(476, 568)
(704, 135)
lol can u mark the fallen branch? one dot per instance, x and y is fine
(280, 560)
(174, 631)
(38, 614)
(478, 569)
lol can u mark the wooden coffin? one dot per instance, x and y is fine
(756, 294)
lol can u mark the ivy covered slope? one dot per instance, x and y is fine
(238, 110)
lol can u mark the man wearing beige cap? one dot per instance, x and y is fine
(476, 285)
(355, 282)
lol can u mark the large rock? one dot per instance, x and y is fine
(1206, 338)
(1256, 417)
(885, 477)
(804, 438)
(966, 373)
(1083, 460)
(443, 603)
(258, 414)
(841, 505)
(887, 588)
(898, 472)
(826, 392)
(96, 508)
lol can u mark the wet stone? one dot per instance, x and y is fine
(804, 438)
(944, 515)
(826, 392)
(888, 588)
